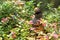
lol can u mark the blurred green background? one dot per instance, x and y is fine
(15, 15)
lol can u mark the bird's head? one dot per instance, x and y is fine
(38, 13)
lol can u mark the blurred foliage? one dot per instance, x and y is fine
(14, 17)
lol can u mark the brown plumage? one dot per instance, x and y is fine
(38, 15)
(36, 20)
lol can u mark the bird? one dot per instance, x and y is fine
(36, 19)
(35, 22)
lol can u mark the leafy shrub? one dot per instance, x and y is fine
(14, 18)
